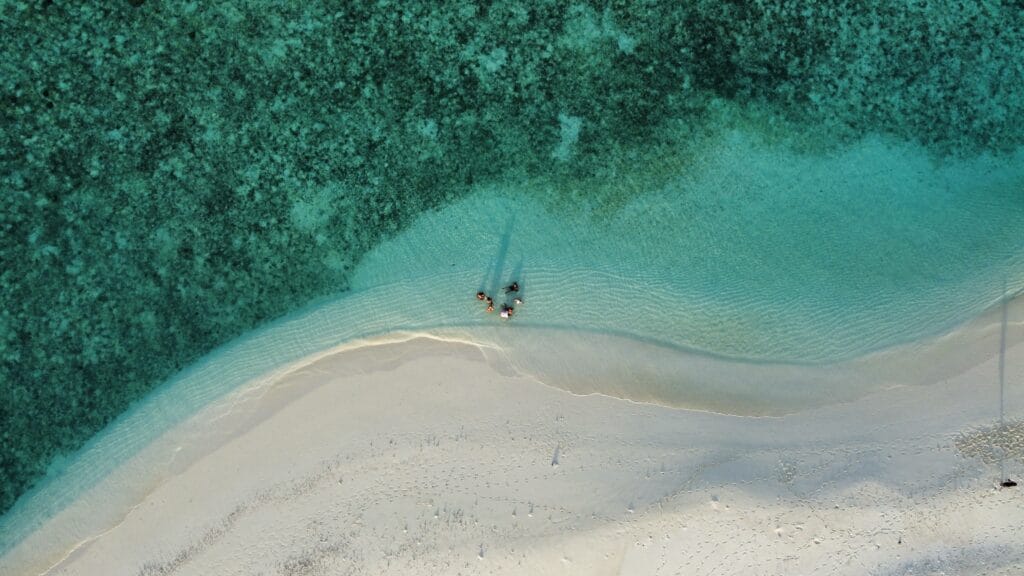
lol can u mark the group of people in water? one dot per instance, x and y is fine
(507, 310)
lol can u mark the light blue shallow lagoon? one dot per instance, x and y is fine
(747, 251)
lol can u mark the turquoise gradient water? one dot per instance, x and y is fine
(749, 182)
(749, 252)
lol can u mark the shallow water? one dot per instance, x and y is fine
(748, 252)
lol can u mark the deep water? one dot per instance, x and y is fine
(175, 174)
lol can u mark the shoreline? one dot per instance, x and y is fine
(744, 387)
(229, 421)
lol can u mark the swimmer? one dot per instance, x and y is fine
(513, 287)
(480, 295)
(510, 310)
(517, 300)
(490, 307)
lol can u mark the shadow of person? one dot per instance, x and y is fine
(491, 282)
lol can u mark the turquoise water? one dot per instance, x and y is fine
(749, 252)
(747, 182)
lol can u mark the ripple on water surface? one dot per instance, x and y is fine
(750, 252)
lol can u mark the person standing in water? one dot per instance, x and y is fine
(506, 310)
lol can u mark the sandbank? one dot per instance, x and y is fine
(429, 454)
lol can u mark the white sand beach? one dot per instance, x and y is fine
(425, 456)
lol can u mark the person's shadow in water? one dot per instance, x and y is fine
(492, 283)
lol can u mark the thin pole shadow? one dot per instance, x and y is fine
(1002, 382)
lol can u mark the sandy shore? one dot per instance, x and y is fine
(435, 457)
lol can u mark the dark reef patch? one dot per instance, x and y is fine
(175, 173)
